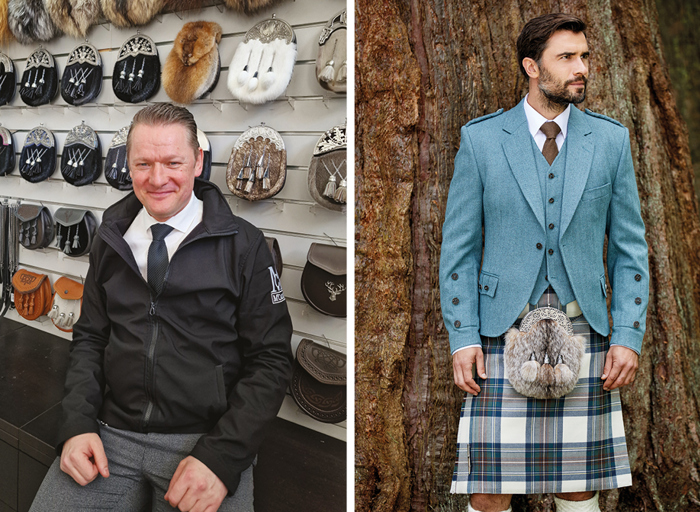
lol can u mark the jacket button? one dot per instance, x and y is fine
(638, 300)
(479, 287)
(458, 323)
(551, 200)
(455, 301)
(636, 324)
(638, 277)
(551, 226)
(551, 251)
(455, 276)
(486, 288)
(539, 245)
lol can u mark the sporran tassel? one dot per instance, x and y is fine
(53, 314)
(330, 187)
(341, 194)
(250, 183)
(66, 247)
(76, 240)
(243, 75)
(342, 75)
(328, 73)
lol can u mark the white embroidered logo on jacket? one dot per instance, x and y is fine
(277, 293)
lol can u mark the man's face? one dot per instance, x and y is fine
(563, 68)
(163, 167)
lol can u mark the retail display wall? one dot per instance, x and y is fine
(301, 115)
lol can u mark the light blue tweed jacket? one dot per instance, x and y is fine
(495, 187)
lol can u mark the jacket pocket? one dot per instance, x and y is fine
(603, 285)
(488, 284)
(594, 193)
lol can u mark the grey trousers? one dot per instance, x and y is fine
(140, 469)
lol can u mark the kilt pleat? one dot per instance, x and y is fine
(511, 444)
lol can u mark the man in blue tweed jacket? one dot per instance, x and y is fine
(546, 182)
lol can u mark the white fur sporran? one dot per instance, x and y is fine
(543, 358)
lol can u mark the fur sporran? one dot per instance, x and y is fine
(193, 65)
(262, 65)
(543, 358)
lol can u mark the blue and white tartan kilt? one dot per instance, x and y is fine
(511, 444)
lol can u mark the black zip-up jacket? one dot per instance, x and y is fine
(211, 354)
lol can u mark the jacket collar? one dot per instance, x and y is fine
(217, 218)
(579, 156)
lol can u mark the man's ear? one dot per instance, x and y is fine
(531, 67)
(199, 163)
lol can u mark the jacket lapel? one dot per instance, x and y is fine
(579, 156)
(518, 150)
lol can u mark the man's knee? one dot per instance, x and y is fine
(489, 502)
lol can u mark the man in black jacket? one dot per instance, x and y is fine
(182, 353)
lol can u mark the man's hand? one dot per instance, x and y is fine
(83, 458)
(462, 362)
(621, 365)
(194, 487)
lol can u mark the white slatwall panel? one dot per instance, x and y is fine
(301, 116)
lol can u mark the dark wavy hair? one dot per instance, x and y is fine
(533, 39)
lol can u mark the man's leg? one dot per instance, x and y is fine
(124, 491)
(577, 502)
(164, 453)
(490, 502)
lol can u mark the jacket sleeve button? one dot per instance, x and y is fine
(455, 301)
(455, 276)
(458, 323)
(638, 300)
(638, 277)
(636, 324)
(539, 245)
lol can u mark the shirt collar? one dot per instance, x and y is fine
(535, 120)
(181, 221)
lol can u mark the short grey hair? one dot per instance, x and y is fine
(160, 114)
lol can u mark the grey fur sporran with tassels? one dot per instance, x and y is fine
(543, 358)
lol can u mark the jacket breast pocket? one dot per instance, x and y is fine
(596, 193)
(488, 284)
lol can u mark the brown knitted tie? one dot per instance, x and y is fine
(550, 149)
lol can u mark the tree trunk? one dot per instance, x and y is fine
(423, 69)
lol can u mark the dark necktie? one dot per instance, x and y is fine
(550, 149)
(158, 256)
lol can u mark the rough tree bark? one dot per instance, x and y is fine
(423, 69)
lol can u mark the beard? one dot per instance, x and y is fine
(557, 93)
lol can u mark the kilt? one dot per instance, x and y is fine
(511, 444)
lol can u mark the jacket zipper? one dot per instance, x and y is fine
(150, 367)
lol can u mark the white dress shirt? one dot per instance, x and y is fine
(139, 236)
(535, 120)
